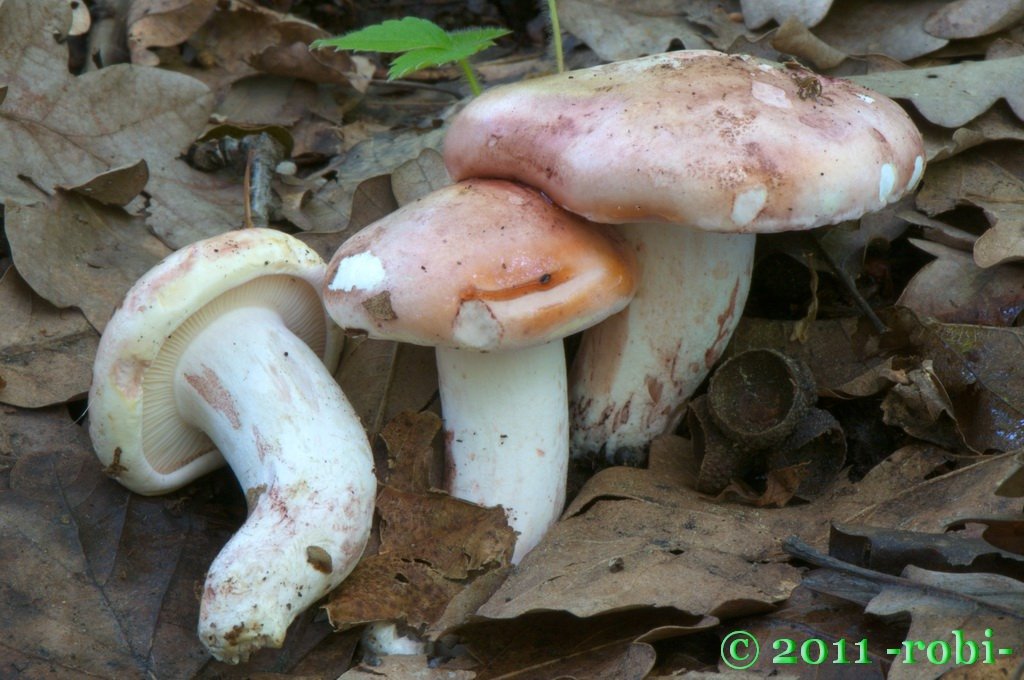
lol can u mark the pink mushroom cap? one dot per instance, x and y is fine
(727, 143)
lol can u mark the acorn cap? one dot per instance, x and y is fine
(720, 142)
(482, 264)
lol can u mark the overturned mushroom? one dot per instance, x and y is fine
(218, 354)
(494, 276)
(691, 153)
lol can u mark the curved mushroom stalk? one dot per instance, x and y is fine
(297, 449)
(222, 353)
(506, 433)
(634, 371)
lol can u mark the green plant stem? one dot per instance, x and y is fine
(467, 71)
(556, 34)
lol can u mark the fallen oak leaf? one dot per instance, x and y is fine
(77, 253)
(952, 96)
(61, 130)
(45, 354)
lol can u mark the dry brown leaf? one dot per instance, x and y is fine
(329, 207)
(640, 537)
(243, 40)
(953, 289)
(163, 23)
(795, 39)
(384, 378)
(431, 548)
(97, 582)
(555, 645)
(46, 354)
(986, 177)
(879, 27)
(59, 130)
(810, 615)
(77, 253)
(117, 187)
(996, 124)
(919, 405)
(979, 368)
(395, 667)
(953, 95)
(891, 551)
(418, 177)
(981, 606)
(623, 30)
(757, 13)
(974, 18)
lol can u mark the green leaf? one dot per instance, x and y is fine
(393, 35)
(464, 44)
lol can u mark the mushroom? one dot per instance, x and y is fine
(218, 355)
(692, 153)
(493, 276)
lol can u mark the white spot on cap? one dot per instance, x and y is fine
(475, 326)
(918, 171)
(886, 182)
(770, 95)
(865, 98)
(362, 271)
(746, 206)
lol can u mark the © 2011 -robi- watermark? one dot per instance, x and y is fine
(741, 650)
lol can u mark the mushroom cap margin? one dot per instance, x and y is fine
(154, 307)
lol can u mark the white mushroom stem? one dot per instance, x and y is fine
(506, 431)
(634, 371)
(282, 423)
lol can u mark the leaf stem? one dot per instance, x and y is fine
(556, 34)
(467, 71)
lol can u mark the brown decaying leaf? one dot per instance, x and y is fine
(45, 353)
(416, 178)
(808, 615)
(953, 289)
(329, 207)
(980, 606)
(879, 27)
(62, 130)
(623, 30)
(991, 178)
(77, 253)
(163, 23)
(757, 13)
(979, 368)
(405, 668)
(996, 124)
(974, 18)
(431, 546)
(640, 537)
(953, 95)
(890, 551)
(553, 645)
(97, 582)
(384, 378)
(838, 351)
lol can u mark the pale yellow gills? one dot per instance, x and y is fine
(218, 354)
